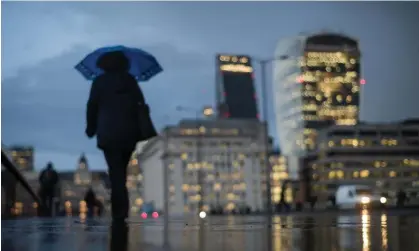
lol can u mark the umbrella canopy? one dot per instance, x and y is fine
(141, 64)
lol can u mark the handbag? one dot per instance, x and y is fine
(146, 126)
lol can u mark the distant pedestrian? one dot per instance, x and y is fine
(313, 201)
(401, 198)
(90, 199)
(48, 180)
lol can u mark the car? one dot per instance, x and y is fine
(358, 196)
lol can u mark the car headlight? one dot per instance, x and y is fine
(365, 200)
(383, 200)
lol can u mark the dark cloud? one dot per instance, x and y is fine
(45, 105)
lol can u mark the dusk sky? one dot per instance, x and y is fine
(44, 98)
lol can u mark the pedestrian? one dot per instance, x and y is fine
(313, 201)
(401, 198)
(48, 180)
(90, 199)
(112, 115)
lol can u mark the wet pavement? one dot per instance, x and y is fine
(299, 232)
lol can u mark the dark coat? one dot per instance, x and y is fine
(48, 180)
(90, 198)
(112, 111)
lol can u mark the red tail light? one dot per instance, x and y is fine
(144, 215)
(155, 215)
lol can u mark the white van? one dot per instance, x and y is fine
(353, 196)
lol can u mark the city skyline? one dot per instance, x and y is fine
(44, 98)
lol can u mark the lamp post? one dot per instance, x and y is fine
(263, 63)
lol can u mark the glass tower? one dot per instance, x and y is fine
(235, 91)
(316, 84)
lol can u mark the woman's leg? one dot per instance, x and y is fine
(117, 161)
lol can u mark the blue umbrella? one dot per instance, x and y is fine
(143, 65)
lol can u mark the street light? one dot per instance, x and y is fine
(263, 63)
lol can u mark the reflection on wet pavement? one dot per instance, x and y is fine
(233, 233)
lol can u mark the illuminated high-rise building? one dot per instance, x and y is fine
(235, 91)
(316, 84)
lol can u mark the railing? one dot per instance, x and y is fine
(12, 169)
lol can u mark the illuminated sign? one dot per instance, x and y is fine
(234, 59)
(236, 68)
(235, 64)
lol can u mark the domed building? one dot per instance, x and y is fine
(82, 176)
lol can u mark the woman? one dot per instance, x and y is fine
(112, 115)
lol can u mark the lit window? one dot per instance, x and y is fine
(172, 188)
(340, 174)
(231, 196)
(184, 156)
(230, 206)
(364, 173)
(392, 174)
(139, 202)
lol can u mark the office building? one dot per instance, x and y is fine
(385, 156)
(23, 157)
(316, 84)
(235, 91)
(228, 152)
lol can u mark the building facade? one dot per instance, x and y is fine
(134, 183)
(316, 84)
(23, 157)
(25, 204)
(235, 91)
(385, 156)
(230, 155)
(74, 185)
